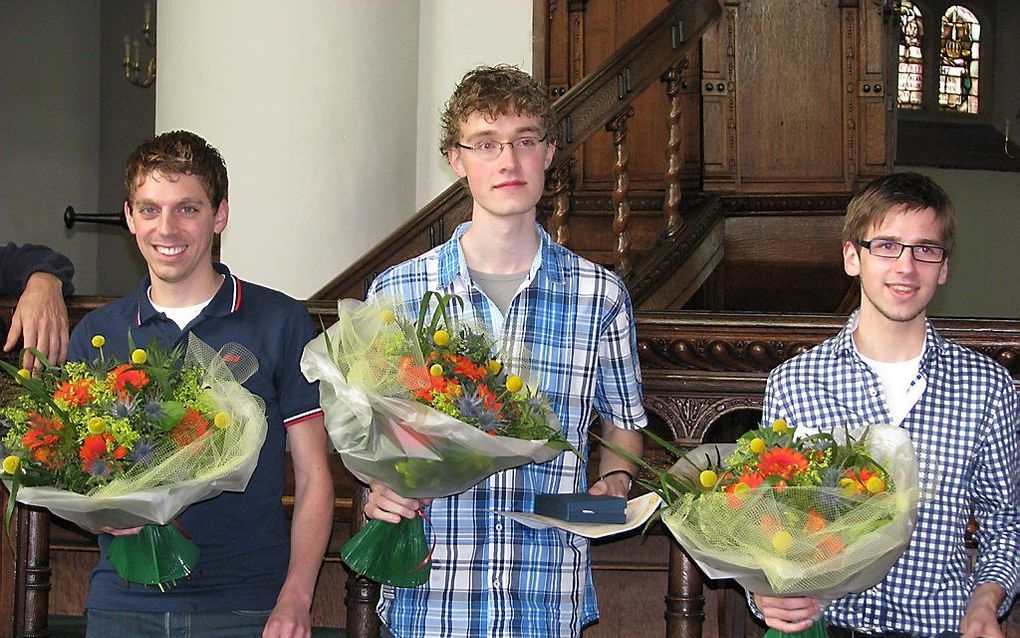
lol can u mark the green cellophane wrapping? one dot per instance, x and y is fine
(384, 436)
(153, 494)
(158, 555)
(391, 554)
(861, 540)
(817, 630)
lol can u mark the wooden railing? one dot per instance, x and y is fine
(602, 100)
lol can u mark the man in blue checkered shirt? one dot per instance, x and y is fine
(492, 576)
(890, 365)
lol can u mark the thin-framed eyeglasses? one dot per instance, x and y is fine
(491, 149)
(890, 249)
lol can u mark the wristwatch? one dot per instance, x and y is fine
(630, 477)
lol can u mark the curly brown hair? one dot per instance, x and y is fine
(912, 191)
(494, 91)
(178, 153)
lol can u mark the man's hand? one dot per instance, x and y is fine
(981, 619)
(617, 484)
(788, 614)
(386, 505)
(290, 619)
(117, 531)
(40, 319)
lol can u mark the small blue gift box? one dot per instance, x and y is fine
(582, 508)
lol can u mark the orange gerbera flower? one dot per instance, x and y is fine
(74, 393)
(782, 461)
(465, 367)
(829, 546)
(414, 377)
(40, 439)
(191, 426)
(127, 378)
(489, 398)
(93, 448)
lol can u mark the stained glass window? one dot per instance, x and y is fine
(911, 73)
(960, 53)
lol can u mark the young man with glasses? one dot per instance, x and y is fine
(491, 576)
(890, 365)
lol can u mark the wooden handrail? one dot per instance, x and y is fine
(583, 110)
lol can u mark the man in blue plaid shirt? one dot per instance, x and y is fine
(890, 365)
(492, 576)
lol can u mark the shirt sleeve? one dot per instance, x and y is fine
(299, 399)
(79, 348)
(18, 263)
(618, 394)
(996, 488)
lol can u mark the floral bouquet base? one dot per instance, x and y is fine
(158, 555)
(392, 554)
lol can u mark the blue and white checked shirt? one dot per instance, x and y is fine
(490, 575)
(965, 427)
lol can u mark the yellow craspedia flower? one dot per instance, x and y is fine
(782, 541)
(25, 374)
(757, 445)
(436, 370)
(12, 464)
(741, 487)
(98, 341)
(97, 425)
(139, 356)
(708, 478)
(387, 316)
(875, 484)
(441, 338)
(495, 366)
(780, 426)
(514, 384)
(221, 420)
(850, 486)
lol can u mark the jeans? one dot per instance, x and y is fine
(183, 624)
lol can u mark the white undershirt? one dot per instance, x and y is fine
(897, 378)
(181, 316)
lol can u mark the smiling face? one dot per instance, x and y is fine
(174, 223)
(511, 184)
(897, 291)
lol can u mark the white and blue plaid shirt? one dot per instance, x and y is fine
(492, 576)
(965, 427)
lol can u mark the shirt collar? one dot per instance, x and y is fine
(934, 343)
(227, 299)
(452, 263)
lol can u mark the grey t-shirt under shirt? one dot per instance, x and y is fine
(500, 289)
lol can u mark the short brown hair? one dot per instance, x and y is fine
(913, 192)
(494, 91)
(178, 153)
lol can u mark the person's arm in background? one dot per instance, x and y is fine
(42, 278)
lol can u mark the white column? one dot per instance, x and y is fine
(312, 105)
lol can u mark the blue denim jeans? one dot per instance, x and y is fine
(217, 624)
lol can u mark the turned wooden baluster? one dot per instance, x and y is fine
(685, 599)
(621, 180)
(362, 593)
(561, 182)
(674, 159)
(37, 573)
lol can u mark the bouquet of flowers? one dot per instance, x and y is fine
(427, 407)
(820, 515)
(126, 444)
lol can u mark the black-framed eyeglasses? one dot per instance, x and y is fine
(890, 249)
(491, 149)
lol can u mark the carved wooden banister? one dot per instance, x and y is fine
(621, 186)
(583, 110)
(674, 159)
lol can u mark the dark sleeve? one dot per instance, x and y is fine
(18, 263)
(80, 346)
(299, 399)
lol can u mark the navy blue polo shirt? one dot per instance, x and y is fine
(244, 537)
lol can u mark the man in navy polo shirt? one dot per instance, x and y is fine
(255, 576)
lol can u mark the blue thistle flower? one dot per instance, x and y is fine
(100, 468)
(472, 408)
(153, 409)
(143, 451)
(122, 408)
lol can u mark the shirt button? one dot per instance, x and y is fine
(874, 393)
(499, 528)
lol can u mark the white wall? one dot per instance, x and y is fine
(312, 105)
(49, 126)
(454, 37)
(983, 271)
